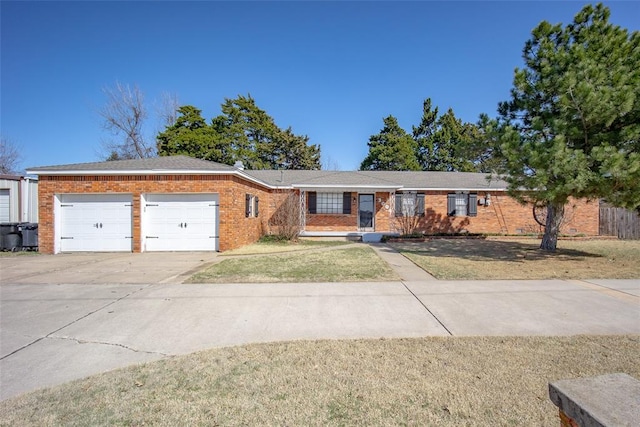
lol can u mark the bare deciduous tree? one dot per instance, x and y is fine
(329, 164)
(408, 212)
(167, 109)
(285, 220)
(9, 157)
(124, 115)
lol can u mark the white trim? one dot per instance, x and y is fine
(450, 189)
(57, 223)
(96, 172)
(345, 188)
(93, 172)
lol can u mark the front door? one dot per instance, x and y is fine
(366, 212)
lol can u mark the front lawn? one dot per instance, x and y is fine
(452, 381)
(475, 259)
(353, 263)
(266, 246)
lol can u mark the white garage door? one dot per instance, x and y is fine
(5, 205)
(180, 222)
(95, 222)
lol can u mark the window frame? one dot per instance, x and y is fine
(400, 203)
(319, 203)
(470, 204)
(251, 206)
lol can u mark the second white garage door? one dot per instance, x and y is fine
(180, 222)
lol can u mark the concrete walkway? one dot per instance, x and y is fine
(54, 333)
(403, 266)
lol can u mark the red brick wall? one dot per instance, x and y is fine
(503, 216)
(333, 222)
(384, 211)
(235, 229)
(349, 222)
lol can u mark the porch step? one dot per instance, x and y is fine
(356, 236)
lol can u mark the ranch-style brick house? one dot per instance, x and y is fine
(183, 204)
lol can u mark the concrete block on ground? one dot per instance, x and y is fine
(602, 401)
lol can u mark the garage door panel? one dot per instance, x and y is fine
(181, 222)
(5, 205)
(95, 223)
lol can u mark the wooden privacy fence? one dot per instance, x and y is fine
(623, 223)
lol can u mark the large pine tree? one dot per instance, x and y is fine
(392, 149)
(573, 121)
(243, 132)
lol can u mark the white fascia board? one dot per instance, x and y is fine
(151, 172)
(337, 187)
(453, 189)
(257, 181)
(93, 172)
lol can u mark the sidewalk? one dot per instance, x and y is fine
(404, 267)
(54, 333)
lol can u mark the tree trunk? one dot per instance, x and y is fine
(555, 214)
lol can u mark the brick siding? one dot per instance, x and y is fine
(503, 216)
(235, 229)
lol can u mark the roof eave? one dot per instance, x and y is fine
(343, 187)
(52, 172)
(453, 189)
(94, 172)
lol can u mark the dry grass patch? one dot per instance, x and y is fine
(259, 248)
(9, 254)
(355, 263)
(471, 381)
(521, 259)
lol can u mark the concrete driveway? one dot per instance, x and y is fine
(65, 317)
(102, 268)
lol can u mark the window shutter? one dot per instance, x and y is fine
(312, 202)
(346, 203)
(247, 205)
(420, 202)
(451, 204)
(472, 207)
(257, 210)
(398, 205)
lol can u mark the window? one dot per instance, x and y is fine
(251, 206)
(409, 204)
(329, 203)
(462, 204)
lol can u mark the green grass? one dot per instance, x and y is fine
(474, 259)
(349, 264)
(452, 381)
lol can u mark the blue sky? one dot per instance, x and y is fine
(330, 70)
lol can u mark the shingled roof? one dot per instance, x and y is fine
(166, 163)
(303, 179)
(407, 180)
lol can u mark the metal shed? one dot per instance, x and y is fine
(18, 199)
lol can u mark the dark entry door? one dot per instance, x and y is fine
(366, 212)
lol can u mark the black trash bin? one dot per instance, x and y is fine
(13, 242)
(7, 228)
(29, 235)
